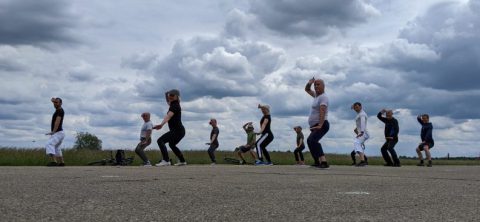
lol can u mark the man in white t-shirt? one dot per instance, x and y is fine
(145, 138)
(317, 121)
(361, 133)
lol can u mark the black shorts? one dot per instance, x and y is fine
(420, 147)
(244, 149)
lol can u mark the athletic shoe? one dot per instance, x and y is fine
(315, 165)
(242, 162)
(361, 164)
(397, 165)
(353, 164)
(421, 164)
(181, 164)
(61, 164)
(163, 163)
(52, 164)
(429, 164)
(259, 163)
(213, 164)
(324, 165)
(269, 163)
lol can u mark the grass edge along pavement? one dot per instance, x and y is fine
(37, 157)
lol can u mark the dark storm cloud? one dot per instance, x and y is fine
(451, 30)
(311, 18)
(32, 22)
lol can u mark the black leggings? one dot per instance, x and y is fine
(298, 153)
(261, 146)
(172, 138)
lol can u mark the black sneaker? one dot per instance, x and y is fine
(323, 165)
(429, 164)
(52, 164)
(421, 164)
(361, 164)
(353, 164)
(61, 164)
(397, 165)
(315, 165)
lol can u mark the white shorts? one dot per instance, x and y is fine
(53, 144)
(358, 144)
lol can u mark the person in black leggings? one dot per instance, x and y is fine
(300, 146)
(265, 138)
(213, 141)
(177, 130)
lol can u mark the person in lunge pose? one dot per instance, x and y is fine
(391, 137)
(427, 139)
(317, 121)
(300, 146)
(56, 135)
(266, 136)
(361, 133)
(145, 138)
(213, 140)
(177, 130)
(251, 138)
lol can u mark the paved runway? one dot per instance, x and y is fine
(240, 193)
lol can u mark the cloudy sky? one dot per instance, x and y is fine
(112, 60)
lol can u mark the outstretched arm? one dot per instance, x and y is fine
(165, 120)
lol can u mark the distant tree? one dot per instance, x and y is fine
(85, 140)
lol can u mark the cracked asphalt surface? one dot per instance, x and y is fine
(240, 193)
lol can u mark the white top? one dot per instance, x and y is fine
(318, 101)
(361, 121)
(146, 126)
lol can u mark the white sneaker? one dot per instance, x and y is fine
(147, 165)
(181, 164)
(163, 163)
(213, 164)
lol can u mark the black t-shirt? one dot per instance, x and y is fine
(175, 123)
(300, 136)
(267, 128)
(215, 130)
(58, 113)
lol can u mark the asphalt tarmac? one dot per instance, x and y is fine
(240, 193)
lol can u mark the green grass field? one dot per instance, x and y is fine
(36, 157)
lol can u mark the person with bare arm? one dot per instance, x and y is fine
(427, 139)
(266, 136)
(317, 121)
(56, 135)
(176, 130)
(248, 147)
(300, 146)
(213, 141)
(145, 139)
